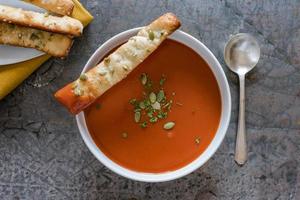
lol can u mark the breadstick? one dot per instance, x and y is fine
(89, 86)
(52, 43)
(46, 22)
(61, 7)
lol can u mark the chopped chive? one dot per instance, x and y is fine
(147, 103)
(168, 105)
(153, 119)
(162, 115)
(152, 97)
(143, 124)
(137, 117)
(169, 125)
(162, 81)
(150, 114)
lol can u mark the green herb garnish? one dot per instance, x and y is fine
(34, 37)
(144, 124)
(162, 81)
(160, 95)
(83, 77)
(107, 60)
(154, 105)
(151, 35)
(153, 119)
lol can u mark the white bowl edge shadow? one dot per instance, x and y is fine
(219, 74)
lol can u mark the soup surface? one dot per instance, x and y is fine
(196, 112)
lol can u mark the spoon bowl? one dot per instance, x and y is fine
(242, 53)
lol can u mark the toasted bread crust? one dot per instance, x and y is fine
(63, 25)
(61, 7)
(54, 44)
(78, 95)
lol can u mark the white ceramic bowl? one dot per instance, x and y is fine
(219, 74)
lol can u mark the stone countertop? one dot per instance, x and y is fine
(43, 156)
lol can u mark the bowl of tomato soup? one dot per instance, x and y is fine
(166, 119)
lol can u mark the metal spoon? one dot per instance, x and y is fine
(241, 54)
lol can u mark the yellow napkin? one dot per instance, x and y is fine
(12, 75)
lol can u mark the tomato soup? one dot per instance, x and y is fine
(195, 113)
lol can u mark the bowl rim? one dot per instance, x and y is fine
(223, 85)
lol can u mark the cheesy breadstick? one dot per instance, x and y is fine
(85, 90)
(46, 22)
(52, 43)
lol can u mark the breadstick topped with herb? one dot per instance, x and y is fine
(46, 22)
(79, 94)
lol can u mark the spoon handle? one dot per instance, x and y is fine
(241, 145)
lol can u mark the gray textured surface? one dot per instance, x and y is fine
(42, 155)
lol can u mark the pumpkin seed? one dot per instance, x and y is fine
(137, 117)
(169, 125)
(142, 105)
(144, 78)
(151, 35)
(83, 77)
(160, 95)
(107, 60)
(152, 97)
(125, 67)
